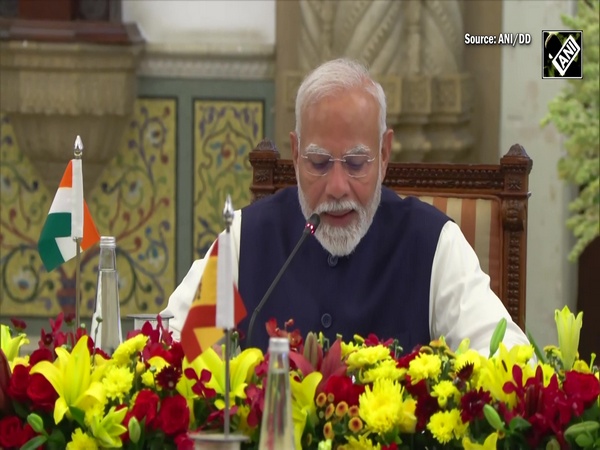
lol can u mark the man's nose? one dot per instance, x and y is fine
(337, 182)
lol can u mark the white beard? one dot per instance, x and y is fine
(342, 241)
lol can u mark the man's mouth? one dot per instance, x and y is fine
(338, 218)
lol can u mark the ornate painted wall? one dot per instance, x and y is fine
(224, 133)
(136, 200)
(133, 200)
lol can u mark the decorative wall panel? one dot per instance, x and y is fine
(133, 200)
(224, 134)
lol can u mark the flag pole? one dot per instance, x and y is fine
(78, 236)
(228, 217)
(225, 440)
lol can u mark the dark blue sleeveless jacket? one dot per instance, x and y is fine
(381, 288)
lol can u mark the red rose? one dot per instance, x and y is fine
(146, 405)
(343, 389)
(183, 442)
(41, 354)
(581, 388)
(174, 415)
(41, 392)
(13, 434)
(17, 388)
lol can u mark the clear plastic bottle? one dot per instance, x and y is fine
(107, 332)
(277, 428)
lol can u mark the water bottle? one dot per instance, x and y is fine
(277, 428)
(107, 331)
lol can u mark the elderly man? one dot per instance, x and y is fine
(379, 264)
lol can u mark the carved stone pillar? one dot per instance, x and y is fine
(415, 49)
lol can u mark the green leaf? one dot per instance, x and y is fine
(518, 423)
(21, 410)
(78, 415)
(540, 356)
(584, 440)
(34, 443)
(498, 336)
(57, 440)
(588, 426)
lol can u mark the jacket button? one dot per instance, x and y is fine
(326, 320)
(332, 260)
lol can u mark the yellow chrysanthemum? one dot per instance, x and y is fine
(94, 413)
(425, 366)
(445, 391)
(81, 441)
(385, 369)
(349, 347)
(367, 356)
(124, 352)
(470, 356)
(446, 425)
(117, 382)
(547, 372)
(382, 407)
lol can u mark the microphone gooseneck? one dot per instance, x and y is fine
(311, 226)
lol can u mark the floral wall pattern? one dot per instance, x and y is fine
(133, 200)
(224, 133)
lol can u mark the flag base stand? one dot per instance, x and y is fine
(217, 441)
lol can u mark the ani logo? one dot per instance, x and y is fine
(562, 54)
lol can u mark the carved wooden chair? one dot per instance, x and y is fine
(488, 202)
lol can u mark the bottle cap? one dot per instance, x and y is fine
(279, 345)
(108, 241)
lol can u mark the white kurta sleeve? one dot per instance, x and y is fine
(462, 303)
(182, 297)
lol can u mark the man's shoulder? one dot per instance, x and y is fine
(282, 197)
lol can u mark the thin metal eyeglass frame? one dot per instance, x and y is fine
(341, 160)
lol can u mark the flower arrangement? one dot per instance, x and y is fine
(359, 394)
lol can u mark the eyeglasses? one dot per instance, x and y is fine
(319, 164)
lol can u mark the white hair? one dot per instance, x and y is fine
(332, 77)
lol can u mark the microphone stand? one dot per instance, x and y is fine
(310, 228)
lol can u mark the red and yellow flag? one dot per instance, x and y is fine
(217, 304)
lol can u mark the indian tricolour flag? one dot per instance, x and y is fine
(69, 218)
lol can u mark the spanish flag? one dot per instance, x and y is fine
(68, 219)
(217, 304)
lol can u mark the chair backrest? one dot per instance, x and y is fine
(487, 201)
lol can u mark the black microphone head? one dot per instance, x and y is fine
(313, 223)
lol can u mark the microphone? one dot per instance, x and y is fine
(311, 226)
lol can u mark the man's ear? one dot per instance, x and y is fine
(294, 147)
(386, 149)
